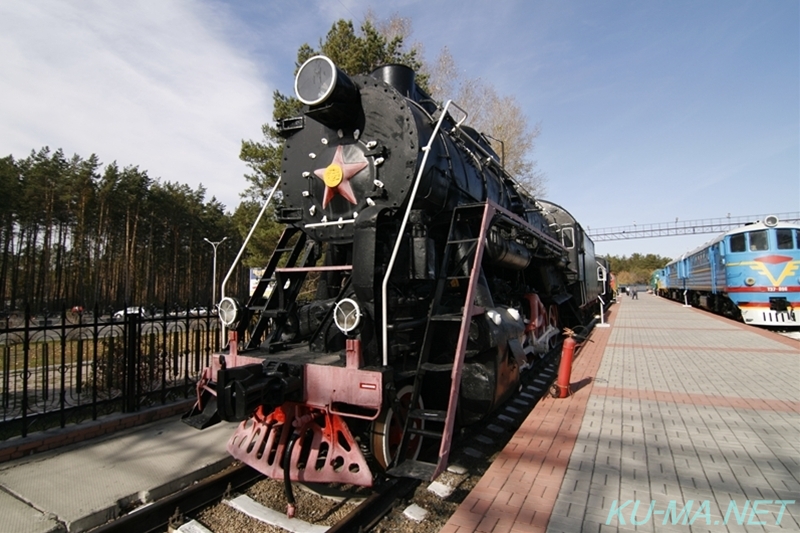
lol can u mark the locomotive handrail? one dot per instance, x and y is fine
(328, 268)
(385, 284)
(339, 223)
(244, 245)
(461, 121)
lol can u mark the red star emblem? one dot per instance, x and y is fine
(337, 176)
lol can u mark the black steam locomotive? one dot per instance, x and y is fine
(414, 281)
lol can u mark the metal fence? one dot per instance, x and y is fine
(58, 370)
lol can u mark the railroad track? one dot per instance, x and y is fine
(380, 509)
(157, 516)
(169, 512)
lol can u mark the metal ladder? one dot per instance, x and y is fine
(453, 273)
(285, 282)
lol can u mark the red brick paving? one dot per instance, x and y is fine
(518, 492)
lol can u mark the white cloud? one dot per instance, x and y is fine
(151, 84)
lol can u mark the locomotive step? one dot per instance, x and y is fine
(425, 432)
(264, 283)
(269, 313)
(431, 367)
(447, 318)
(440, 367)
(434, 415)
(405, 374)
(414, 469)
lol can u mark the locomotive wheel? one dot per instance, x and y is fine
(552, 317)
(387, 430)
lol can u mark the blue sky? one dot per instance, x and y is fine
(648, 110)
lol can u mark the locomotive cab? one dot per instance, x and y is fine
(759, 266)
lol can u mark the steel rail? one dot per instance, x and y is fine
(375, 507)
(156, 516)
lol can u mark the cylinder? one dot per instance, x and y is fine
(506, 252)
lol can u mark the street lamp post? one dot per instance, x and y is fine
(214, 274)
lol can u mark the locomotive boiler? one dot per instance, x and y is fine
(413, 283)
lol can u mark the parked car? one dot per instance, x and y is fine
(141, 311)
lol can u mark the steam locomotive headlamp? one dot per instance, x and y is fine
(230, 312)
(771, 221)
(318, 81)
(347, 315)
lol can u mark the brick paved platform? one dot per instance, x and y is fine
(683, 421)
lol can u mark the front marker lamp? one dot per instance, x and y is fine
(347, 315)
(230, 312)
(319, 81)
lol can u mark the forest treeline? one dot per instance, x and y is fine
(77, 233)
(637, 268)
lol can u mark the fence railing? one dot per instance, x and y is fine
(59, 370)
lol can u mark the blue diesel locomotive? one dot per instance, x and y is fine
(750, 273)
